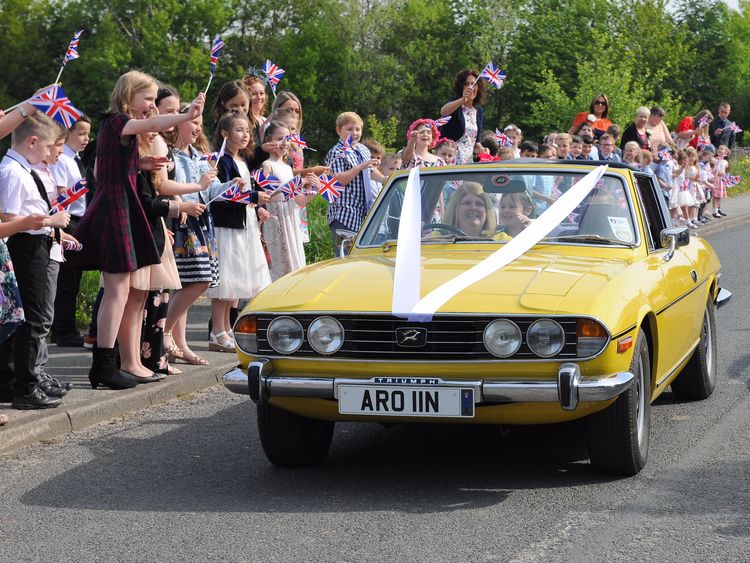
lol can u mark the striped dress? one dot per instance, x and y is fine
(194, 242)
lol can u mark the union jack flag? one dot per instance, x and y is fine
(274, 74)
(493, 75)
(701, 143)
(346, 147)
(215, 156)
(664, 154)
(731, 181)
(72, 52)
(703, 122)
(503, 139)
(268, 183)
(440, 121)
(66, 198)
(330, 188)
(297, 140)
(734, 127)
(216, 48)
(291, 187)
(235, 194)
(56, 104)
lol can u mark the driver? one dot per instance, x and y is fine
(470, 210)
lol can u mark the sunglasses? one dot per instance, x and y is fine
(600, 103)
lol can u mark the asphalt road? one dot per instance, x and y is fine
(188, 481)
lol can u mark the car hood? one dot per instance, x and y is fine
(538, 280)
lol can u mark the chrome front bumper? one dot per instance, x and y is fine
(568, 390)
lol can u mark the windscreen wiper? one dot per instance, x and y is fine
(590, 237)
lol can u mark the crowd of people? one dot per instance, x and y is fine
(156, 226)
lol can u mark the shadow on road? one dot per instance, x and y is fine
(216, 464)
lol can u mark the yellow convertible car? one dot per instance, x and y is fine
(524, 292)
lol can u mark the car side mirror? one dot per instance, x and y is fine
(672, 238)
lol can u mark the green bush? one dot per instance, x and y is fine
(86, 297)
(740, 166)
(320, 246)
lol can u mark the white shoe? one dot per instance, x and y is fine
(220, 342)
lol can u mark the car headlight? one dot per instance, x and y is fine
(502, 338)
(285, 335)
(325, 335)
(545, 338)
(246, 334)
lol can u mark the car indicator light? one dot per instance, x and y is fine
(246, 334)
(624, 344)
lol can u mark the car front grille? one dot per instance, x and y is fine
(373, 337)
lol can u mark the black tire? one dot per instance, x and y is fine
(290, 440)
(619, 435)
(697, 380)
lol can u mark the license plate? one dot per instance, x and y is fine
(380, 400)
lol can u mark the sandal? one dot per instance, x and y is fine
(220, 342)
(173, 351)
(173, 371)
(194, 360)
(4, 420)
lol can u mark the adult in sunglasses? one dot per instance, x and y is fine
(596, 115)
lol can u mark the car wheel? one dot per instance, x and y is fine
(619, 435)
(698, 378)
(290, 440)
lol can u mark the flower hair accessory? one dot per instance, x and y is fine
(253, 72)
(430, 124)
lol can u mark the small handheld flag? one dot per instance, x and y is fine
(233, 193)
(502, 139)
(701, 143)
(664, 154)
(291, 188)
(274, 74)
(734, 127)
(440, 121)
(731, 181)
(71, 53)
(330, 189)
(216, 48)
(267, 183)
(493, 75)
(65, 199)
(299, 141)
(346, 147)
(702, 122)
(57, 105)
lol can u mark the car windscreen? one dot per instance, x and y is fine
(492, 207)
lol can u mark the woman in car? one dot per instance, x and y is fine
(470, 210)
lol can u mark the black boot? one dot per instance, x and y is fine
(104, 371)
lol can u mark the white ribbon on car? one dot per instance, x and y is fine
(406, 277)
(408, 282)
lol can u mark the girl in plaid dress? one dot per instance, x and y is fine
(115, 231)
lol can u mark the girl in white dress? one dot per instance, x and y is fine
(282, 231)
(243, 269)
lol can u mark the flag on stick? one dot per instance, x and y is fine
(57, 105)
(70, 54)
(65, 199)
(330, 189)
(493, 75)
(274, 74)
(216, 48)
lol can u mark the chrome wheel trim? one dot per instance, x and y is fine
(640, 404)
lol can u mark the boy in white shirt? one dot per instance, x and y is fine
(23, 193)
(67, 172)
